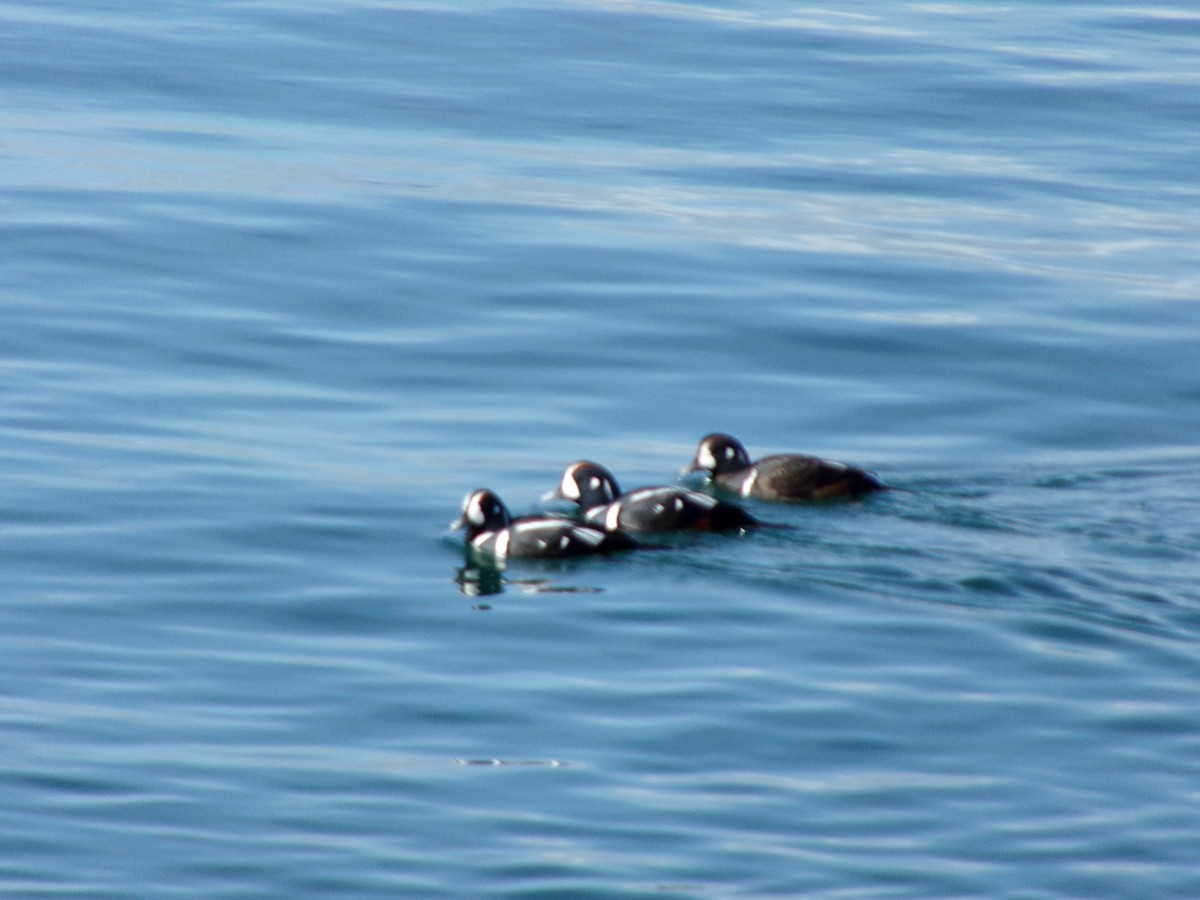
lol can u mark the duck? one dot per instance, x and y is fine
(493, 533)
(595, 491)
(784, 477)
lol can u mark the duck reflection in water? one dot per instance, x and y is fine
(476, 580)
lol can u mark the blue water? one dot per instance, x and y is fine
(280, 282)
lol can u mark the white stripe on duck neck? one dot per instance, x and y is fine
(502, 541)
(612, 519)
(748, 484)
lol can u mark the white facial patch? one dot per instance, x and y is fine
(569, 488)
(475, 513)
(705, 458)
(604, 487)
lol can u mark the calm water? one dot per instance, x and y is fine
(281, 281)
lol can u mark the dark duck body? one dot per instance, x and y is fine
(788, 477)
(493, 532)
(668, 508)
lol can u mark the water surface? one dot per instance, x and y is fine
(283, 281)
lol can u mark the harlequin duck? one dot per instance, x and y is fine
(787, 476)
(602, 504)
(492, 531)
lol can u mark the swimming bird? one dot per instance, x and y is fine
(670, 508)
(492, 532)
(790, 477)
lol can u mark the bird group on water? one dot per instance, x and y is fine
(603, 519)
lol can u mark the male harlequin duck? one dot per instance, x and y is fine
(600, 500)
(492, 531)
(787, 476)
